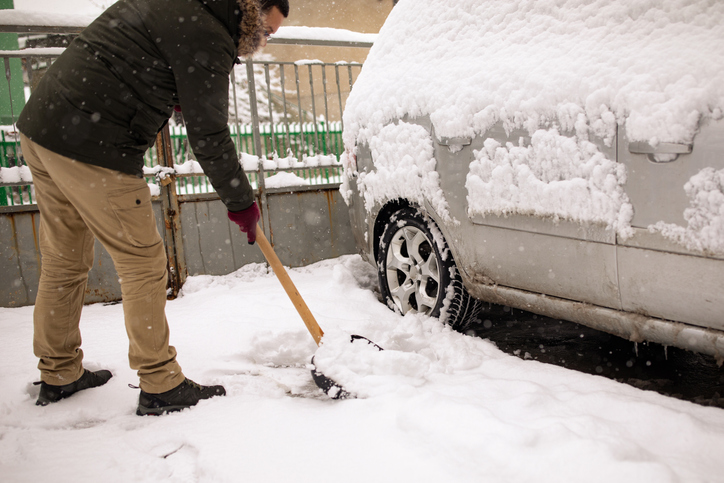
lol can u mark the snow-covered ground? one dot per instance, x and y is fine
(437, 406)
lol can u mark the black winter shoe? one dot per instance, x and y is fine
(50, 394)
(183, 396)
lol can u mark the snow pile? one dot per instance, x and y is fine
(287, 162)
(322, 33)
(33, 17)
(308, 62)
(284, 179)
(188, 167)
(705, 217)
(249, 162)
(437, 406)
(556, 176)
(405, 167)
(161, 172)
(587, 67)
(320, 160)
(416, 350)
(40, 18)
(40, 51)
(16, 174)
(291, 162)
(240, 111)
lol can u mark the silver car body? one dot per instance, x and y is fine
(648, 282)
(643, 288)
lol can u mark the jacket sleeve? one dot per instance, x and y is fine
(201, 58)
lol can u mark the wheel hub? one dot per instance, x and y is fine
(412, 271)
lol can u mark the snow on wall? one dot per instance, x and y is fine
(705, 216)
(40, 18)
(323, 33)
(651, 68)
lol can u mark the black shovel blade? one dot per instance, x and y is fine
(329, 386)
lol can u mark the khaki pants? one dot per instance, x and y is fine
(78, 202)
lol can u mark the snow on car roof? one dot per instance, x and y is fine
(654, 66)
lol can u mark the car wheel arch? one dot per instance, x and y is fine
(391, 207)
(453, 305)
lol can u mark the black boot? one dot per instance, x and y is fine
(50, 394)
(185, 395)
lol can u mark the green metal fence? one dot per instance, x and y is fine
(18, 190)
(285, 141)
(310, 149)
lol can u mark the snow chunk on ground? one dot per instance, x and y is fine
(439, 406)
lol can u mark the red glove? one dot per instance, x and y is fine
(247, 220)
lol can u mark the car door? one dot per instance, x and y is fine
(571, 260)
(666, 269)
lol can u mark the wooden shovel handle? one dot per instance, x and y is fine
(288, 285)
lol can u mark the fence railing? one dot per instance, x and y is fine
(281, 152)
(15, 178)
(285, 117)
(286, 122)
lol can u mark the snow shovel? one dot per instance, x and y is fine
(329, 386)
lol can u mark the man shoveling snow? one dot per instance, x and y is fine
(84, 133)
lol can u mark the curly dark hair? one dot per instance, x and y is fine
(282, 5)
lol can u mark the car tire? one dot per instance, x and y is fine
(417, 272)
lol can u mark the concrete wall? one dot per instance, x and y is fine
(304, 227)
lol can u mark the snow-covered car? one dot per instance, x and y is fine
(565, 157)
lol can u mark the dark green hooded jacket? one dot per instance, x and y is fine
(106, 97)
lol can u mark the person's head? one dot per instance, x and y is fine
(259, 20)
(273, 13)
(281, 5)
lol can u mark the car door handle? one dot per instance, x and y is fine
(662, 152)
(455, 141)
(640, 147)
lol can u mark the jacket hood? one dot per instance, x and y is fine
(243, 20)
